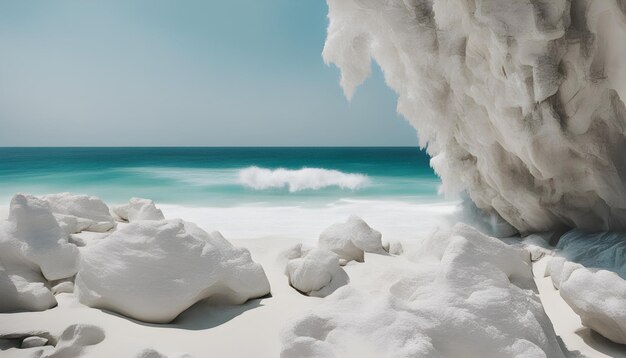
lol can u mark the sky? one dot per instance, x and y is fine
(181, 73)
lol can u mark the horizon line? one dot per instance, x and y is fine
(218, 146)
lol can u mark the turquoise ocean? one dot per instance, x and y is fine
(209, 176)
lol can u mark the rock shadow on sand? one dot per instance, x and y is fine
(601, 344)
(202, 315)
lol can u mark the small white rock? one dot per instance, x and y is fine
(63, 287)
(314, 271)
(351, 239)
(395, 248)
(34, 341)
(598, 297)
(554, 268)
(137, 209)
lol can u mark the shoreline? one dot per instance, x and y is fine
(398, 220)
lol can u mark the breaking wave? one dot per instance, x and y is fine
(301, 179)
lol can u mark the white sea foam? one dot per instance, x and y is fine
(259, 178)
(397, 220)
(301, 179)
(189, 176)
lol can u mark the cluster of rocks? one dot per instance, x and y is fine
(170, 264)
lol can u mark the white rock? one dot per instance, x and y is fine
(519, 103)
(394, 247)
(293, 252)
(75, 338)
(80, 212)
(63, 287)
(24, 290)
(596, 294)
(599, 298)
(554, 269)
(536, 246)
(464, 295)
(71, 224)
(350, 239)
(169, 265)
(137, 209)
(314, 271)
(536, 252)
(152, 353)
(34, 341)
(540, 267)
(33, 250)
(33, 238)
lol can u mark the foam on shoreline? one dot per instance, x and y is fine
(400, 221)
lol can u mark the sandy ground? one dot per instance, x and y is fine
(254, 329)
(248, 330)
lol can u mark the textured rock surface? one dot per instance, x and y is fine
(351, 239)
(520, 103)
(138, 209)
(78, 213)
(317, 273)
(153, 270)
(34, 249)
(462, 294)
(598, 297)
(34, 341)
(35, 239)
(75, 339)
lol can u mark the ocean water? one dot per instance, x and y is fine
(222, 176)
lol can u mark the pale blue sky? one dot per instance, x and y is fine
(205, 73)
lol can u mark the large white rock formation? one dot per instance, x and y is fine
(463, 294)
(153, 270)
(520, 103)
(34, 249)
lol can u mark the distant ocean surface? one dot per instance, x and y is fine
(211, 177)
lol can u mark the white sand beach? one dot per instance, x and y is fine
(264, 327)
(198, 187)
